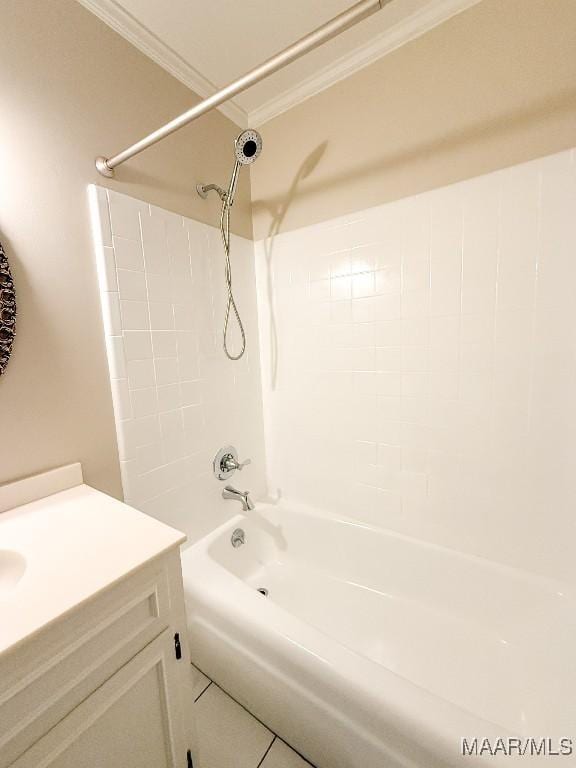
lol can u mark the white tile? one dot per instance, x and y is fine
(137, 345)
(282, 756)
(148, 457)
(246, 739)
(415, 332)
(385, 307)
(319, 290)
(480, 247)
(141, 374)
(340, 311)
(121, 399)
(194, 428)
(184, 317)
(154, 244)
(132, 285)
(129, 478)
(135, 315)
(188, 367)
(388, 383)
(161, 316)
(363, 285)
(415, 359)
(518, 249)
(182, 288)
(128, 254)
(166, 371)
(198, 239)
(191, 393)
(416, 251)
(116, 358)
(341, 288)
(159, 288)
(363, 258)
(124, 215)
(388, 333)
(139, 432)
(178, 249)
(144, 402)
(446, 252)
(387, 279)
(171, 425)
(111, 314)
(107, 271)
(103, 216)
(416, 304)
(169, 397)
(164, 343)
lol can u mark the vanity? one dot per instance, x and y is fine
(94, 661)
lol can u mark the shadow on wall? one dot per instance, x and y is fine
(277, 211)
(448, 146)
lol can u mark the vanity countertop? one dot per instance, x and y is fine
(62, 549)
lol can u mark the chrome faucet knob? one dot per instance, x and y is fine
(226, 462)
(230, 464)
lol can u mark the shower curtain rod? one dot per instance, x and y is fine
(327, 31)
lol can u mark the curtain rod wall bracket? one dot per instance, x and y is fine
(103, 168)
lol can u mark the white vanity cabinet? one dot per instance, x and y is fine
(131, 721)
(107, 682)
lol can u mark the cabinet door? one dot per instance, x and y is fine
(134, 720)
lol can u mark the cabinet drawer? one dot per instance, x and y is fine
(65, 662)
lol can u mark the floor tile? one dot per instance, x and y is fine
(227, 735)
(199, 682)
(281, 756)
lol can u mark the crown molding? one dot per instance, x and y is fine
(418, 23)
(126, 25)
(408, 29)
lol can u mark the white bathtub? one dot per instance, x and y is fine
(373, 650)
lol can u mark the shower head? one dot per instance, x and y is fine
(247, 149)
(248, 146)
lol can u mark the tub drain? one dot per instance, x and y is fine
(263, 591)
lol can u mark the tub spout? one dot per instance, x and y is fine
(244, 497)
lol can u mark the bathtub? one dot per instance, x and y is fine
(373, 650)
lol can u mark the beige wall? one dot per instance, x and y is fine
(492, 87)
(71, 88)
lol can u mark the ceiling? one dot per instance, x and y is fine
(209, 43)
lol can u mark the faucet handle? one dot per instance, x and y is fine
(226, 462)
(230, 463)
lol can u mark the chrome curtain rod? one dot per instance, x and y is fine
(327, 31)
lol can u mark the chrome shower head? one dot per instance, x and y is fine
(247, 149)
(248, 146)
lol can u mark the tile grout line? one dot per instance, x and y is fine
(267, 751)
(274, 735)
(203, 691)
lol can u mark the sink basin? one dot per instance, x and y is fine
(12, 568)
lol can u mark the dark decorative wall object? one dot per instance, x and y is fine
(7, 311)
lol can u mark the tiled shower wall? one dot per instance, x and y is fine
(419, 365)
(177, 399)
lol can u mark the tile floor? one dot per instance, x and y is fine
(247, 742)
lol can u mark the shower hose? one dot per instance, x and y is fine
(231, 303)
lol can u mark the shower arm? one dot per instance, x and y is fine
(332, 28)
